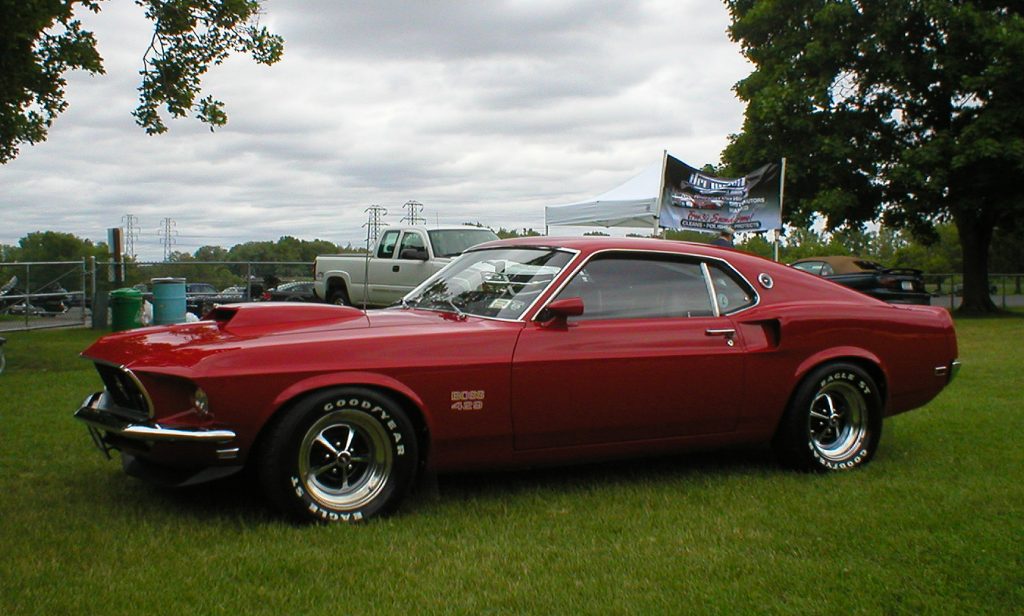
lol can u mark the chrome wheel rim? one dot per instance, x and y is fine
(838, 421)
(345, 460)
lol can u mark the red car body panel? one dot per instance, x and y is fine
(492, 393)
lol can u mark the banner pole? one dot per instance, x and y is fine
(782, 193)
(661, 193)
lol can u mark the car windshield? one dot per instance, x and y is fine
(499, 283)
(453, 242)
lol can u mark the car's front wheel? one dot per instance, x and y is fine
(342, 455)
(834, 421)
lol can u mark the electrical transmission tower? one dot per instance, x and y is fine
(131, 233)
(167, 233)
(413, 209)
(374, 223)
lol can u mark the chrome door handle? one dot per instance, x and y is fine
(728, 333)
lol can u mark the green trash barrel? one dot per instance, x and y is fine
(168, 301)
(125, 309)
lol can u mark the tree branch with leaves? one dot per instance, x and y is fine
(42, 40)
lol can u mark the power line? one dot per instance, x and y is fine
(412, 216)
(374, 223)
(167, 233)
(131, 233)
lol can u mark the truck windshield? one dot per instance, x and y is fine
(500, 283)
(453, 242)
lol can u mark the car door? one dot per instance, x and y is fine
(392, 278)
(651, 357)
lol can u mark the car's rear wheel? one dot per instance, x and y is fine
(834, 421)
(342, 455)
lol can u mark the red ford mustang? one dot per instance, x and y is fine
(521, 352)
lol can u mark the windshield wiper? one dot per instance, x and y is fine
(458, 310)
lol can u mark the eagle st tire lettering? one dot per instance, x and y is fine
(340, 455)
(833, 422)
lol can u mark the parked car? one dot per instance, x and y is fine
(48, 301)
(896, 285)
(403, 258)
(299, 291)
(198, 296)
(522, 352)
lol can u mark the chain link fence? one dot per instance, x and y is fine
(74, 293)
(947, 289)
(45, 294)
(51, 294)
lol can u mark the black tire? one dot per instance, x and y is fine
(341, 455)
(834, 420)
(338, 297)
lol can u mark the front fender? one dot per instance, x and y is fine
(341, 379)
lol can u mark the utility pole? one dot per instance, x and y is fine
(374, 223)
(131, 233)
(412, 216)
(167, 233)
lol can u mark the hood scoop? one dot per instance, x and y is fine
(279, 315)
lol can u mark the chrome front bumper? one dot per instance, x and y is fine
(95, 414)
(949, 372)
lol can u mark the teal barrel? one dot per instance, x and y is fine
(168, 300)
(125, 309)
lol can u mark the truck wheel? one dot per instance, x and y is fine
(342, 455)
(338, 297)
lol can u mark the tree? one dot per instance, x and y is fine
(53, 246)
(905, 110)
(41, 40)
(57, 246)
(504, 233)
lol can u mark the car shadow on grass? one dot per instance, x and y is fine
(239, 501)
(704, 467)
(234, 498)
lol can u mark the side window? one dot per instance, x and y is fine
(411, 239)
(826, 270)
(387, 244)
(731, 292)
(813, 267)
(637, 286)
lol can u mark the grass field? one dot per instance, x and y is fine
(935, 524)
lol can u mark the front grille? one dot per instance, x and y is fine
(123, 389)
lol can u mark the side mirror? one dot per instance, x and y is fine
(561, 309)
(417, 254)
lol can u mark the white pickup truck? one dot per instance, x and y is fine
(403, 258)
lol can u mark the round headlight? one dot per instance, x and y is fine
(200, 402)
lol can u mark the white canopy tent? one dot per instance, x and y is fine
(674, 195)
(632, 204)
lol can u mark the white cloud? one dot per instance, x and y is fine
(483, 111)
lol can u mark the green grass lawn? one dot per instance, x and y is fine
(935, 524)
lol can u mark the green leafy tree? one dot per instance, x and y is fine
(52, 246)
(504, 233)
(905, 110)
(57, 246)
(41, 40)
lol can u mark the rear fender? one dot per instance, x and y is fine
(843, 353)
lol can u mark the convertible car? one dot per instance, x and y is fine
(893, 285)
(520, 353)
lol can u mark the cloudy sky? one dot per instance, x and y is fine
(482, 111)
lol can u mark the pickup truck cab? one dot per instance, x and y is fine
(402, 259)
